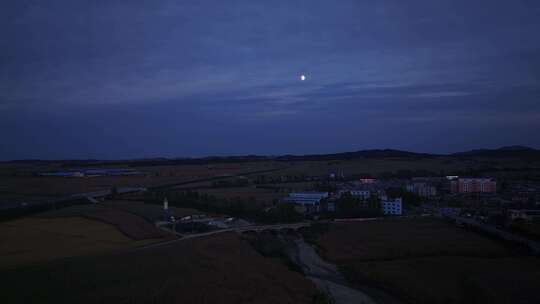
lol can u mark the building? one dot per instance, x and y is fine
(363, 194)
(308, 201)
(62, 174)
(392, 206)
(92, 172)
(422, 189)
(306, 198)
(449, 211)
(523, 214)
(331, 207)
(328, 205)
(356, 193)
(473, 185)
(367, 180)
(167, 215)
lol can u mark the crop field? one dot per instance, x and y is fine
(430, 261)
(446, 279)
(209, 170)
(59, 186)
(374, 166)
(378, 166)
(18, 180)
(394, 239)
(33, 240)
(132, 225)
(150, 212)
(183, 272)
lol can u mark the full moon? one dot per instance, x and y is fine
(303, 77)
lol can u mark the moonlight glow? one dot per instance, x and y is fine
(303, 77)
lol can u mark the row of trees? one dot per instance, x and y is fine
(348, 206)
(409, 198)
(237, 207)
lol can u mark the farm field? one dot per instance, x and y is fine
(134, 210)
(380, 166)
(430, 261)
(132, 225)
(183, 272)
(374, 166)
(150, 212)
(60, 186)
(33, 240)
(394, 239)
(446, 279)
(17, 180)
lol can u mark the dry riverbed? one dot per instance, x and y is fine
(325, 275)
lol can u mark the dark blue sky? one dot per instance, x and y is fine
(126, 79)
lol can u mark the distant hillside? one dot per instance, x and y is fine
(386, 153)
(509, 151)
(503, 152)
(377, 153)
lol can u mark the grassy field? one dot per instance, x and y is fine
(429, 261)
(34, 240)
(218, 269)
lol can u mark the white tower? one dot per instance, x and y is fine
(165, 204)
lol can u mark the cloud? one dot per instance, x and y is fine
(235, 65)
(440, 94)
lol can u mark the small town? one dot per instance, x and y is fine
(268, 152)
(480, 213)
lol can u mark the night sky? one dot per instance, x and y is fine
(132, 79)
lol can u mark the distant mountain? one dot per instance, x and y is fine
(503, 152)
(516, 148)
(508, 151)
(384, 153)
(377, 153)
